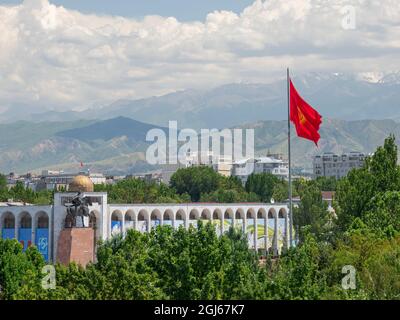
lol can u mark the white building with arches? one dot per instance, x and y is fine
(266, 225)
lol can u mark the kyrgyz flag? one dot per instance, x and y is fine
(306, 119)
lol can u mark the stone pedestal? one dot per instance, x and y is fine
(76, 244)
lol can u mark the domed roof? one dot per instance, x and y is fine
(81, 184)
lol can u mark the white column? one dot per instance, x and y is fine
(255, 233)
(123, 225)
(286, 239)
(275, 241)
(186, 219)
(149, 223)
(266, 240)
(222, 226)
(33, 230)
(16, 227)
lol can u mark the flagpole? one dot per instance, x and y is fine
(290, 164)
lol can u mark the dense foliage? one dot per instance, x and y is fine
(196, 184)
(20, 193)
(363, 235)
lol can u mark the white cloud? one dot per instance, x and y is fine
(51, 57)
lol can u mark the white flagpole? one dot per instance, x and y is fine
(290, 166)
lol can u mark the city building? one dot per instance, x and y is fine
(245, 167)
(337, 166)
(50, 229)
(59, 180)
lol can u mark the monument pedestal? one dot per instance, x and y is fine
(76, 244)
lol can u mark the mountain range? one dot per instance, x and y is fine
(117, 145)
(334, 95)
(111, 138)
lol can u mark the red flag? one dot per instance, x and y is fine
(306, 119)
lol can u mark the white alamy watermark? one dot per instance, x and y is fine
(349, 281)
(348, 17)
(49, 280)
(205, 147)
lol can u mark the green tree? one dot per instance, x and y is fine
(195, 181)
(313, 212)
(355, 193)
(3, 182)
(262, 184)
(20, 272)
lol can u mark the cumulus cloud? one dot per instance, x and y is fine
(55, 58)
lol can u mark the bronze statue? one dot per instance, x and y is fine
(79, 208)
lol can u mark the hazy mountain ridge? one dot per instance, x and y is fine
(120, 149)
(334, 95)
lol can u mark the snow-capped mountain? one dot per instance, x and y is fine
(373, 95)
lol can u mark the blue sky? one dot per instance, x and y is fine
(183, 10)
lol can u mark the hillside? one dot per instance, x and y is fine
(336, 96)
(118, 145)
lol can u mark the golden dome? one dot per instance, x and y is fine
(81, 184)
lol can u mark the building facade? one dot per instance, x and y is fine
(244, 168)
(266, 225)
(337, 166)
(58, 180)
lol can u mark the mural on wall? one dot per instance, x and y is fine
(155, 223)
(129, 224)
(25, 237)
(261, 232)
(193, 223)
(142, 226)
(42, 242)
(116, 227)
(8, 233)
(179, 223)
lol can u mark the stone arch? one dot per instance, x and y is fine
(8, 220)
(155, 216)
(217, 214)
(239, 214)
(228, 214)
(116, 215)
(42, 220)
(116, 222)
(143, 215)
(8, 223)
(240, 219)
(250, 213)
(130, 219)
(180, 218)
(194, 214)
(25, 220)
(282, 213)
(271, 213)
(273, 216)
(206, 214)
(251, 227)
(180, 215)
(261, 213)
(25, 229)
(143, 221)
(168, 215)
